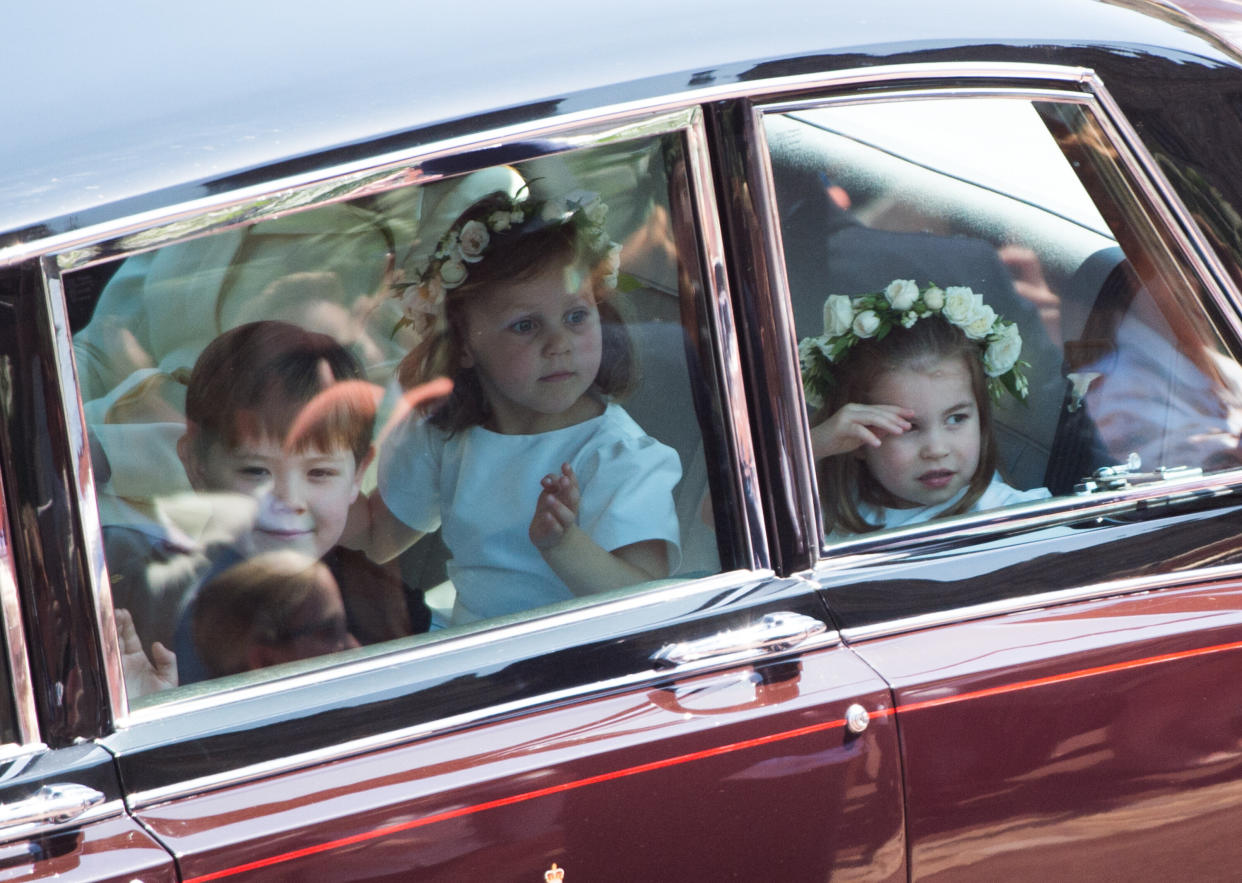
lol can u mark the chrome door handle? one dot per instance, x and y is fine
(775, 632)
(51, 804)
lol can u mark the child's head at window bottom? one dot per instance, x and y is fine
(282, 417)
(906, 380)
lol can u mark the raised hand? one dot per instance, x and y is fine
(557, 509)
(856, 425)
(142, 676)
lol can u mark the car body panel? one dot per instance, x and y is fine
(617, 788)
(1094, 726)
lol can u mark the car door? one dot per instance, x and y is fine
(709, 725)
(1062, 670)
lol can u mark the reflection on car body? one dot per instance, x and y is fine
(733, 712)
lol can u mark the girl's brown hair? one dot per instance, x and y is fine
(845, 480)
(513, 255)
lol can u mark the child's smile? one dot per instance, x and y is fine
(536, 348)
(303, 497)
(938, 455)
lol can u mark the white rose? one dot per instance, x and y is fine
(934, 298)
(473, 241)
(517, 216)
(979, 325)
(838, 315)
(596, 211)
(1002, 353)
(959, 304)
(452, 273)
(902, 293)
(866, 323)
(499, 221)
(908, 320)
(612, 264)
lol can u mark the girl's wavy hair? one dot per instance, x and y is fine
(514, 255)
(845, 480)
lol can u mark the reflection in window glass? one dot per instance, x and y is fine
(985, 319)
(284, 471)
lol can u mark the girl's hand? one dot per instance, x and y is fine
(856, 425)
(557, 509)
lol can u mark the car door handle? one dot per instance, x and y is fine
(778, 631)
(51, 804)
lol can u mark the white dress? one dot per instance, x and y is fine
(481, 487)
(994, 496)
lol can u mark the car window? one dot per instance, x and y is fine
(281, 473)
(1012, 224)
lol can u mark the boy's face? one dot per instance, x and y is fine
(303, 497)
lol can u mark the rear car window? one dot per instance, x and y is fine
(1022, 207)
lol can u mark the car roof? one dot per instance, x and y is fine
(106, 104)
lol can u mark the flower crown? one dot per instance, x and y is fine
(422, 291)
(848, 320)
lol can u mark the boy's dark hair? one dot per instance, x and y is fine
(275, 380)
(844, 480)
(513, 255)
(254, 601)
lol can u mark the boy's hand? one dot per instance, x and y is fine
(856, 425)
(141, 676)
(557, 509)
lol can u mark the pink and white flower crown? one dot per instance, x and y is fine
(422, 290)
(848, 320)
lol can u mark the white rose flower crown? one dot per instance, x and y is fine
(422, 289)
(848, 320)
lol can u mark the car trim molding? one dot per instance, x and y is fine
(18, 658)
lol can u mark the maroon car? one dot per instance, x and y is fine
(1033, 686)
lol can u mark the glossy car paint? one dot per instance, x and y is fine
(1096, 727)
(104, 843)
(717, 776)
(546, 782)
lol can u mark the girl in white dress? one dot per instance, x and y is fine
(905, 379)
(543, 487)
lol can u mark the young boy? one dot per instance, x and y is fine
(278, 430)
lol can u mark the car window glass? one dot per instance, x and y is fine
(1007, 219)
(298, 346)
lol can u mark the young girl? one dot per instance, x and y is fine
(906, 379)
(544, 488)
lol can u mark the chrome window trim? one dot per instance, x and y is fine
(1097, 592)
(728, 355)
(708, 586)
(21, 681)
(494, 713)
(84, 478)
(897, 544)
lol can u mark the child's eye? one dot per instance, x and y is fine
(958, 419)
(522, 326)
(323, 472)
(254, 472)
(577, 317)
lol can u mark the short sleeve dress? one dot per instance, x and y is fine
(481, 488)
